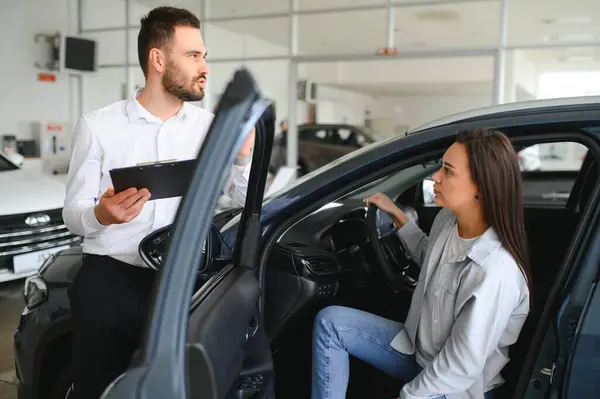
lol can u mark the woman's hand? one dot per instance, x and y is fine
(384, 203)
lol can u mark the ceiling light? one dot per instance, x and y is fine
(567, 20)
(437, 15)
(570, 37)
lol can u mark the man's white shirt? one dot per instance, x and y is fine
(125, 134)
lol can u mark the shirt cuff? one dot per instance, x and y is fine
(243, 161)
(408, 229)
(405, 395)
(90, 221)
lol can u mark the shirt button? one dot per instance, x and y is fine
(437, 348)
(435, 321)
(437, 293)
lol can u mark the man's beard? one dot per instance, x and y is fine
(177, 85)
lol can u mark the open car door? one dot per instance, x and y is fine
(213, 345)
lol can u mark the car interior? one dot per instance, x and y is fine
(343, 254)
(328, 258)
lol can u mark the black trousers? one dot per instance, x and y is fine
(109, 305)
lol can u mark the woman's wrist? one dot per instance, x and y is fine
(399, 218)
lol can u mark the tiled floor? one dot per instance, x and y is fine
(11, 305)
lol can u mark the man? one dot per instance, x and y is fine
(110, 294)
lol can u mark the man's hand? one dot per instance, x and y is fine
(248, 145)
(120, 208)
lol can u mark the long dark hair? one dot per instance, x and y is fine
(495, 170)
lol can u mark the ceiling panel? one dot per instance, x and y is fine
(336, 4)
(461, 25)
(238, 8)
(194, 6)
(423, 89)
(342, 32)
(557, 21)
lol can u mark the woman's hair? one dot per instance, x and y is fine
(495, 170)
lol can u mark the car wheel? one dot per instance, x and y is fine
(62, 388)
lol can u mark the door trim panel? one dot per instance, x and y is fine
(218, 328)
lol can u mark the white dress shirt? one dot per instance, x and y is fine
(125, 134)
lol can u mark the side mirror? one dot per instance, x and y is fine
(153, 248)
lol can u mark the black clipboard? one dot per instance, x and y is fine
(164, 179)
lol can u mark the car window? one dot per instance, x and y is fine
(315, 135)
(336, 138)
(320, 134)
(549, 172)
(344, 133)
(350, 137)
(562, 156)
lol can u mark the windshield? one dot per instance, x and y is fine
(329, 166)
(5, 164)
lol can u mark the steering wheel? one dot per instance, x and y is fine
(153, 248)
(390, 254)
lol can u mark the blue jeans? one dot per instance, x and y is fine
(339, 332)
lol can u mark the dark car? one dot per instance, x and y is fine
(319, 144)
(232, 318)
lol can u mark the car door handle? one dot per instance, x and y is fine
(252, 328)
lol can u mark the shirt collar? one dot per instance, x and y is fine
(483, 247)
(136, 111)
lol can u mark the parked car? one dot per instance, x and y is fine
(31, 225)
(267, 271)
(319, 144)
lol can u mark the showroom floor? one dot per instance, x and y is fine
(11, 305)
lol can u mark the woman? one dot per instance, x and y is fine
(472, 297)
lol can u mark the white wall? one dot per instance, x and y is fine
(412, 111)
(271, 75)
(460, 70)
(108, 85)
(25, 99)
(521, 77)
(336, 105)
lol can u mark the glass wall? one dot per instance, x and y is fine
(442, 51)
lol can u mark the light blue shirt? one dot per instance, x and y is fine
(479, 315)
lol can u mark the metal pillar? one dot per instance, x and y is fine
(292, 133)
(391, 24)
(500, 57)
(207, 101)
(80, 99)
(128, 71)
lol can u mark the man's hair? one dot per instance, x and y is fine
(157, 30)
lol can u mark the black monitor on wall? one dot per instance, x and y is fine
(78, 55)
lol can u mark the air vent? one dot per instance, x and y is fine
(321, 264)
(309, 260)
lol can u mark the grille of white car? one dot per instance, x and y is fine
(44, 230)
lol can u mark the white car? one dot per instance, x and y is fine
(31, 225)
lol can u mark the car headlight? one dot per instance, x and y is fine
(34, 292)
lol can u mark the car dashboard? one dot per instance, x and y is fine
(310, 263)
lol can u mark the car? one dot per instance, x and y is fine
(31, 226)
(254, 286)
(319, 144)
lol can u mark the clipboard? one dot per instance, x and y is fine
(164, 179)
